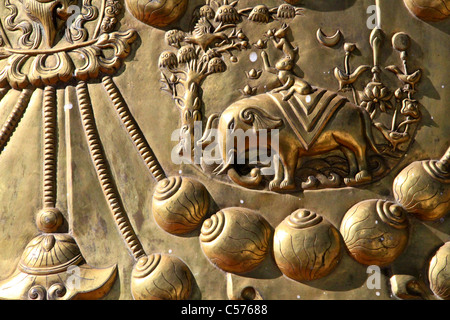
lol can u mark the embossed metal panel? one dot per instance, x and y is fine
(224, 149)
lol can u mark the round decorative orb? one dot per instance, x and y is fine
(375, 231)
(401, 41)
(49, 220)
(159, 13)
(306, 246)
(439, 272)
(235, 239)
(429, 10)
(161, 277)
(180, 204)
(423, 190)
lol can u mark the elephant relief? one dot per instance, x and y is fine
(309, 125)
(310, 121)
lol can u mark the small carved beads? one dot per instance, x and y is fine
(157, 13)
(375, 231)
(306, 246)
(423, 189)
(235, 240)
(180, 204)
(429, 10)
(439, 272)
(161, 277)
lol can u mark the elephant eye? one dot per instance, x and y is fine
(231, 125)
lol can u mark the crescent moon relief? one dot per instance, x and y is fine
(328, 41)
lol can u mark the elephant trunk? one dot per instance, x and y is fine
(205, 140)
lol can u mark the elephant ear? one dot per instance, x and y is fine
(260, 119)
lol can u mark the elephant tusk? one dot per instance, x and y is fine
(224, 166)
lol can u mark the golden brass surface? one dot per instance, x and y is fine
(123, 176)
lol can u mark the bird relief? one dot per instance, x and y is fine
(314, 137)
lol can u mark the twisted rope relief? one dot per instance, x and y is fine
(103, 172)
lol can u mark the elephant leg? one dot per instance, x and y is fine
(352, 164)
(354, 148)
(361, 157)
(279, 169)
(290, 165)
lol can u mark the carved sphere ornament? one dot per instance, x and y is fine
(157, 13)
(429, 10)
(235, 239)
(161, 277)
(375, 231)
(423, 188)
(306, 246)
(180, 204)
(49, 219)
(439, 272)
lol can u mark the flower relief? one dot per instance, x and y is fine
(376, 97)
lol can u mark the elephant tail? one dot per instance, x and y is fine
(368, 131)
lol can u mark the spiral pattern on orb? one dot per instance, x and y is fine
(180, 204)
(302, 218)
(392, 213)
(423, 190)
(375, 231)
(161, 277)
(146, 265)
(212, 227)
(167, 188)
(306, 246)
(236, 239)
(103, 172)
